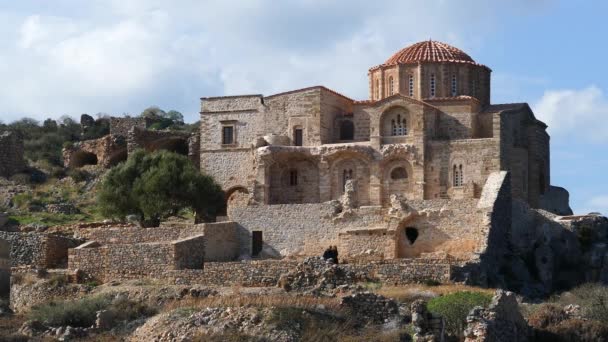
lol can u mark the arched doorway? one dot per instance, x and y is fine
(81, 158)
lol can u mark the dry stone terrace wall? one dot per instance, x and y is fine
(134, 235)
(38, 249)
(126, 261)
(121, 126)
(11, 154)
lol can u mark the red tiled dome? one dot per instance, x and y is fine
(429, 51)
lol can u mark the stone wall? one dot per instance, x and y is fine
(38, 249)
(125, 261)
(106, 151)
(11, 154)
(121, 126)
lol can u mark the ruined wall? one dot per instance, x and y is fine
(124, 261)
(11, 154)
(38, 249)
(221, 241)
(120, 126)
(106, 151)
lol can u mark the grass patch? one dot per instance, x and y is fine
(83, 312)
(410, 293)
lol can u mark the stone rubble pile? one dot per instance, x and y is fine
(501, 321)
(370, 307)
(320, 277)
(427, 327)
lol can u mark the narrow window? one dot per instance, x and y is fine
(257, 242)
(347, 174)
(391, 85)
(347, 130)
(432, 85)
(411, 86)
(228, 135)
(298, 136)
(457, 175)
(293, 177)
(377, 89)
(454, 86)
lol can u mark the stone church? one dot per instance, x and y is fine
(427, 166)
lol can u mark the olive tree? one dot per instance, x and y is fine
(154, 186)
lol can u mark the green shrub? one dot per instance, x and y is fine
(78, 313)
(57, 280)
(22, 200)
(593, 299)
(78, 175)
(455, 307)
(158, 185)
(124, 309)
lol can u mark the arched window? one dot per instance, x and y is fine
(377, 89)
(347, 130)
(454, 85)
(399, 126)
(391, 86)
(411, 86)
(398, 173)
(457, 175)
(347, 174)
(432, 85)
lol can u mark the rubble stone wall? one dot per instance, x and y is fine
(11, 154)
(38, 249)
(133, 235)
(121, 126)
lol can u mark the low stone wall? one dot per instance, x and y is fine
(128, 261)
(132, 235)
(267, 272)
(38, 249)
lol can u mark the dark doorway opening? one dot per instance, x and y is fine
(347, 130)
(412, 234)
(256, 242)
(298, 137)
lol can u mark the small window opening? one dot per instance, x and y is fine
(411, 86)
(377, 89)
(454, 85)
(457, 174)
(228, 135)
(257, 242)
(391, 85)
(346, 175)
(411, 234)
(398, 173)
(399, 126)
(293, 177)
(432, 85)
(298, 137)
(347, 130)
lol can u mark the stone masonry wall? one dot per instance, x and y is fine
(128, 261)
(38, 249)
(11, 154)
(121, 126)
(133, 235)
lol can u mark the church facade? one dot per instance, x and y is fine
(428, 142)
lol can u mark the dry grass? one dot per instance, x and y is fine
(409, 293)
(236, 300)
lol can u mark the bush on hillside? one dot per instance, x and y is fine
(455, 307)
(154, 186)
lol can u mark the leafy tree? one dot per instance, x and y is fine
(158, 185)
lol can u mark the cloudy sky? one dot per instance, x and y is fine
(120, 56)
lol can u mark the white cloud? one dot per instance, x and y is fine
(120, 56)
(579, 113)
(597, 204)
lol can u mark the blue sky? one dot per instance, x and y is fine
(67, 57)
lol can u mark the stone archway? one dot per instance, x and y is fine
(398, 179)
(293, 179)
(350, 167)
(81, 158)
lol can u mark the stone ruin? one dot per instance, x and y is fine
(11, 154)
(127, 135)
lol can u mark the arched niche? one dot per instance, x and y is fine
(395, 122)
(350, 166)
(293, 180)
(397, 178)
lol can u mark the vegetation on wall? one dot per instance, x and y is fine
(158, 185)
